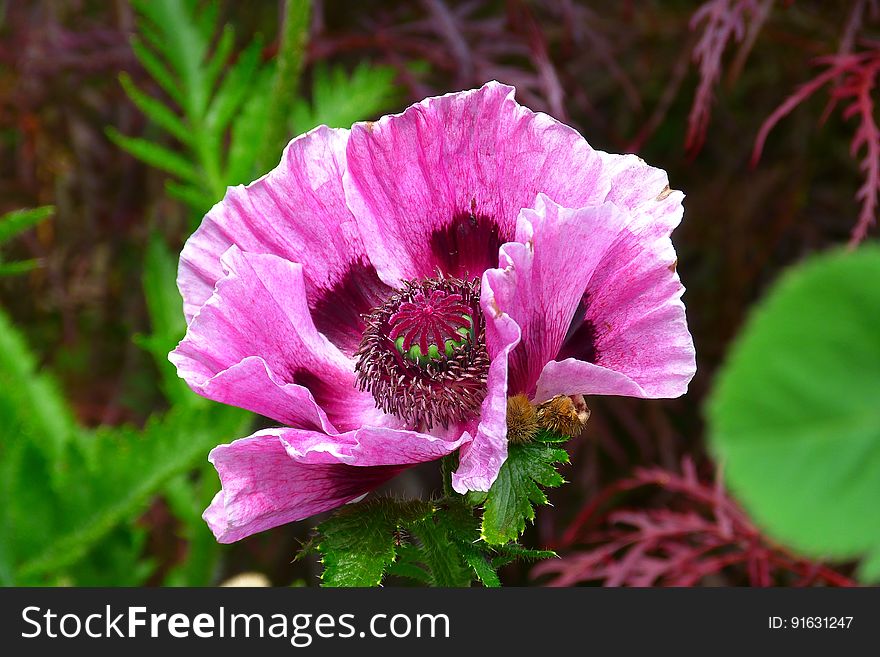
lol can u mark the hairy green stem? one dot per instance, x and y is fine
(291, 51)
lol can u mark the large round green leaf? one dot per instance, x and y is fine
(795, 415)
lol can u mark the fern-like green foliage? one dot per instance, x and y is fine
(453, 541)
(360, 541)
(14, 223)
(435, 542)
(215, 100)
(217, 103)
(188, 493)
(340, 99)
(72, 494)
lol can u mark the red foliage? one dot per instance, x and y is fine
(852, 78)
(725, 21)
(698, 534)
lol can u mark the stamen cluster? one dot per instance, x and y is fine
(423, 354)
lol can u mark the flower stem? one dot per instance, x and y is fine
(291, 51)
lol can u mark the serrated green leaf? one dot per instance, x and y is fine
(172, 29)
(175, 46)
(513, 552)
(358, 542)
(550, 438)
(510, 501)
(463, 532)
(440, 552)
(16, 222)
(409, 571)
(484, 571)
(408, 564)
(794, 417)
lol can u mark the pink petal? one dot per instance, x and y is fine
(639, 340)
(253, 344)
(481, 459)
(574, 377)
(542, 276)
(278, 476)
(296, 211)
(643, 193)
(441, 184)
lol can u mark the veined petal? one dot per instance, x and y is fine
(631, 320)
(276, 476)
(643, 193)
(253, 344)
(441, 185)
(296, 211)
(542, 276)
(481, 459)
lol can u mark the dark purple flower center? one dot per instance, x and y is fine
(423, 355)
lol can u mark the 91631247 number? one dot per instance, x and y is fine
(810, 622)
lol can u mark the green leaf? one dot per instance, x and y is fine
(513, 552)
(167, 320)
(794, 418)
(142, 464)
(248, 132)
(445, 563)
(34, 404)
(18, 221)
(510, 500)
(340, 99)
(234, 89)
(548, 437)
(484, 571)
(163, 298)
(220, 58)
(408, 564)
(194, 196)
(223, 99)
(156, 110)
(358, 542)
(172, 28)
(157, 70)
(19, 267)
(869, 569)
(155, 155)
(188, 497)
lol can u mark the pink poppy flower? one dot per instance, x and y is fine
(384, 290)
